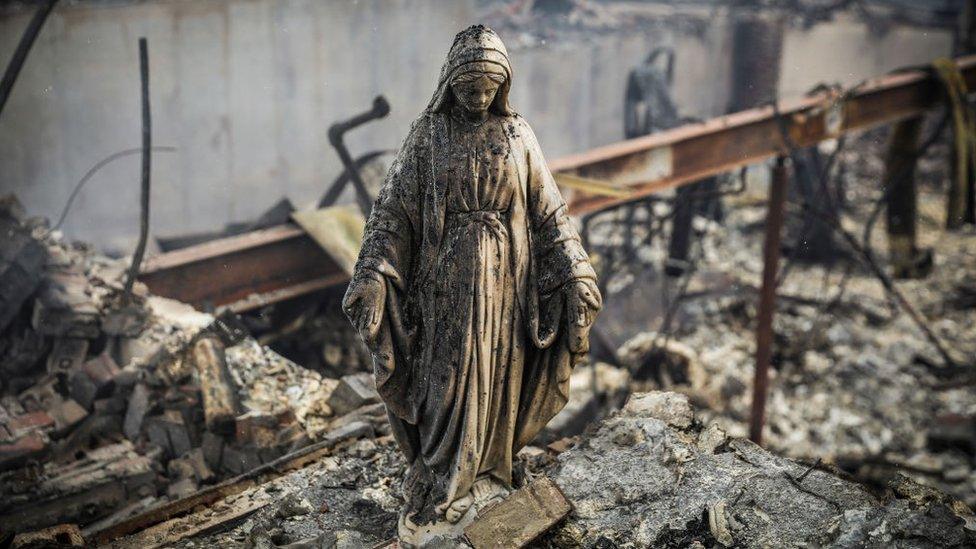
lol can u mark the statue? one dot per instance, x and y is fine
(472, 292)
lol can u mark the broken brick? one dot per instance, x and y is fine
(169, 433)
(31, 421)
(136, 411)
(522, 517)
(353, 391)
(13, 454)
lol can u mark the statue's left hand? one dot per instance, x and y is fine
(583, 301)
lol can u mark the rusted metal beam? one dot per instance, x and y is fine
(243, 272)
(266, 266)
(668, 159)
(767, 297)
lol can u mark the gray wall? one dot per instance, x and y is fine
(247, 88)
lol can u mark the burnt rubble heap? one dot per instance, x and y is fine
(853, 381)
(650, 475)
(112, 405)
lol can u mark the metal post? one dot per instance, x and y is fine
(146, 160)
(767, 297)
(902, 210)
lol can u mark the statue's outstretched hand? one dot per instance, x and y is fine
(583, 301)
(364, 304)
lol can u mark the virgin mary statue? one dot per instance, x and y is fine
(472, 290)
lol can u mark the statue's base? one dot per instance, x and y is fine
(416, 536)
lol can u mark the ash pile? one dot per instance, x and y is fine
(114, 403)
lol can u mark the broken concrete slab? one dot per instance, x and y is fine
(639, 481)
(520, 518)
(22, 424)
(353, 391)
(671, 408)
(63, 307)
(124, 320)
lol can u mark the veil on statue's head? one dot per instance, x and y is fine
(475, 48)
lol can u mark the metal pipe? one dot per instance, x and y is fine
(23, 48)
(146, 165)
(767, 297)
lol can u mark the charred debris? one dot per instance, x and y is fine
(153, 424)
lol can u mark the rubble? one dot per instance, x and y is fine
(643, 479)
(650, 475)
(109, 407)
(854, 382)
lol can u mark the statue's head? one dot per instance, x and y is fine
(477, 74)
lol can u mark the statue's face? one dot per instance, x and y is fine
(475, 95)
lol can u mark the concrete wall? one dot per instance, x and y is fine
(247, 88)
(847, 51)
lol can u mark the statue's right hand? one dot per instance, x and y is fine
(364, 304)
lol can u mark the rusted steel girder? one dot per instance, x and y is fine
(668, 159)
(243, 272)
(270, 265)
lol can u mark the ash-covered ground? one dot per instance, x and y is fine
(107, 407)
(854, 380)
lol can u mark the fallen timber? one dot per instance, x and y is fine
(248, 271)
